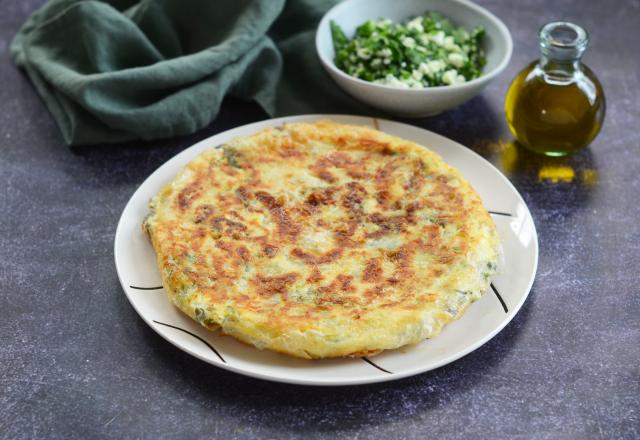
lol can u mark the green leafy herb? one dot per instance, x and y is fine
(232, 157)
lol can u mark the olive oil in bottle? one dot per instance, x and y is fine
(556, 105)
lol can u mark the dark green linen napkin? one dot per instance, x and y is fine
(111, 71)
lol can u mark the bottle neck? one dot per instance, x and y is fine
(552, 65)
(562, 45)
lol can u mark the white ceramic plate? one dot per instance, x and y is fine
(136, 266)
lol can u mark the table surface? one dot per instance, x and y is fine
(77, 361)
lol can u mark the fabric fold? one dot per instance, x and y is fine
(112, 71)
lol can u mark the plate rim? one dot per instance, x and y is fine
(365, 120)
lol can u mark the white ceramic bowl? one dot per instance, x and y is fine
(349, 14)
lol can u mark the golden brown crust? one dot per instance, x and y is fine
(322, 240)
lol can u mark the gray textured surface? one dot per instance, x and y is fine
(76, 360)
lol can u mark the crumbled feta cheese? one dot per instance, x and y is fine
(437, 38)
(456, 59)
(417, 74)
(402, 82)
(363, 53)
(386, 61)
(376, 62)
(415, 25)
(437, 65)
(408, 42)
(449, 76)
(452, 77)
(449, 44)
(412, 83)
(385, 53)
(432, 67)
(391, 80)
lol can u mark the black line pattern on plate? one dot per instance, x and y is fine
(373, 364)
(504, 305)
(505, 214)
(195, 336)
(146, 288)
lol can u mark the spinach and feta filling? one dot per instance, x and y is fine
(424, 51)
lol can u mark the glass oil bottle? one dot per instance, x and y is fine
(556, 105)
